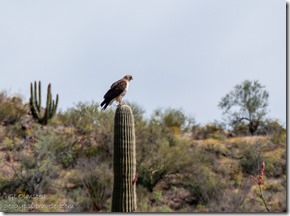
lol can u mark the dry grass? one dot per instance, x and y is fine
(248, 139)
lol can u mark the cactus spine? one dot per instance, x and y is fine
(124, 162)
(35, 104)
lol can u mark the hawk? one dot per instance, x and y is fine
(116, 92)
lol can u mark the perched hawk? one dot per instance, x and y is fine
(116, 92)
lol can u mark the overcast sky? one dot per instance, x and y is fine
(183, 54)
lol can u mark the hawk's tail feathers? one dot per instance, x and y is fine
(104, 103)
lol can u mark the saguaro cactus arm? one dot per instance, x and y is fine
(35, 103)
(124, 161)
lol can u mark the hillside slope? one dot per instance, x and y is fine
(66, 166)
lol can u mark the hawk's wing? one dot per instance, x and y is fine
(116, 89)
(117, 82)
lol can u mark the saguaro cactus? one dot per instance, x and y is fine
(124, 162)
(42, 116)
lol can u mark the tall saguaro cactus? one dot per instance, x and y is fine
(42, 116)
(124, 162)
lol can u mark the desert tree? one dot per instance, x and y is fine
(247, 102)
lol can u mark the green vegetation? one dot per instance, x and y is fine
(252, 101)
(35, 104)
(10, 110)
(182, 166)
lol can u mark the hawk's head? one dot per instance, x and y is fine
(128, 77)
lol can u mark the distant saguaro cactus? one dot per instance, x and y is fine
(124, 162)
(35, 104)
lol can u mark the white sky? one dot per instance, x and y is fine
(182, 53)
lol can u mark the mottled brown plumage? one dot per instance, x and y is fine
(116, 92)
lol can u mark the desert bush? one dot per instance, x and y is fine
(218, 136)
(96, 183)
(98, 187)
(274, 129)
(2, 133)
(270, 127)
(167, 160)
(251, 159)
(149, 178)
(27, 178)
(162, 208)
(276, 163)
(15, 205)
(280, 137)
(204, 185)
(27, 174)
(212, 130)
(143, 205)
(11, 109)
(13, 144)
(61, 148)
(83, 117)
(231, 198)
(104, 134)
(214, 148)
(173, 119)
(8, 186)
(161, 128)
(168, 130)
(157, 197)
(241, 129)
(148, 140)
(95, 128)
(16, 130)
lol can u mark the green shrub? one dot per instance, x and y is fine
(280, 137)
(218, 136)
(251, 159)
(212, 130)
(143, 203)
(162, 163)
(60, 148)
(276, 163)
(214, 149)
(205, 185)
(11, 110)
(157, 197)
(93, 126)
(86, 117)
(16, 131)
(148, 178)
(98, 190)
(270, 127)
(241, 129)
(12, 144)
(14, 205)
(163, 208)
(8, 186)
(96, 184)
